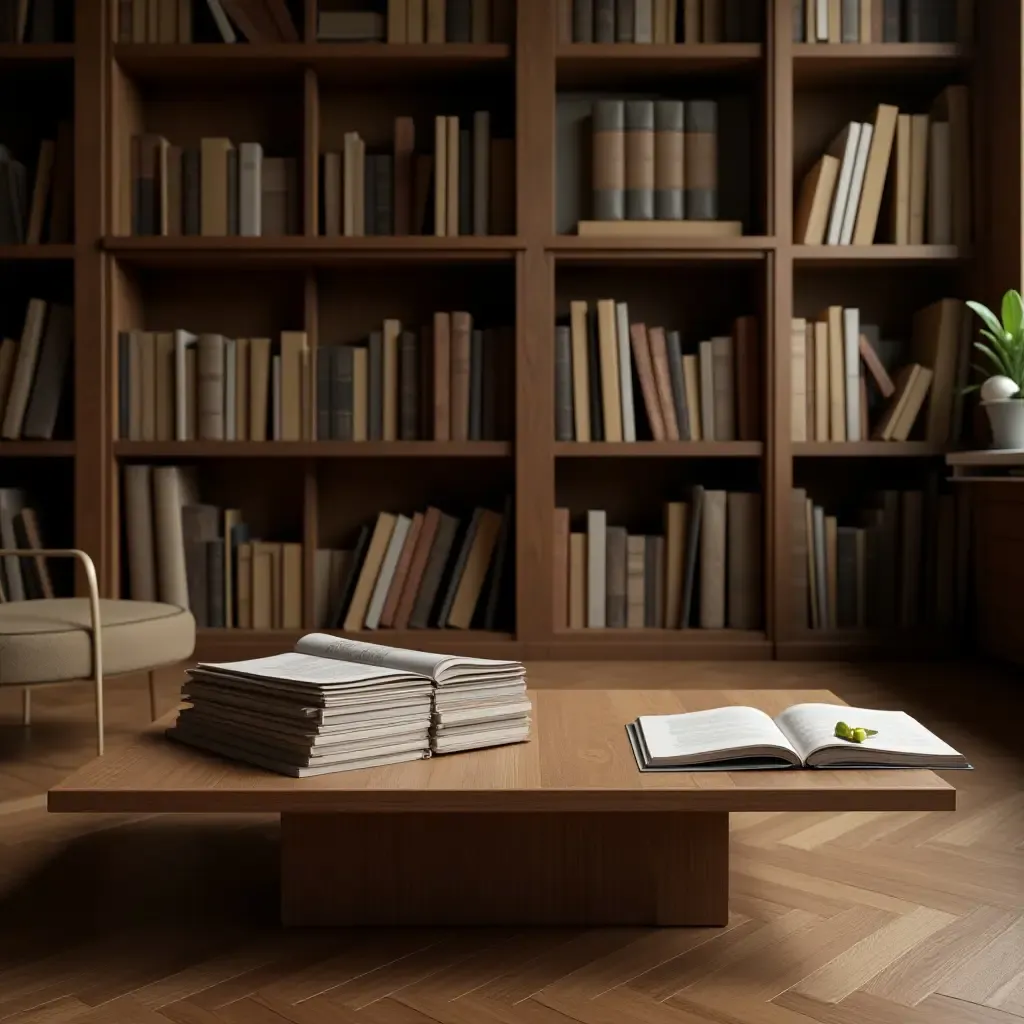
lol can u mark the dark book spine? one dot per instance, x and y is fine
(476, 386)
(191, 199)
(215, 584)
(383, 210)
(370, 194)
(502, 558)
(700, 147)
(674, 346)
(348, 585)
(892, 21)
(459, 21)
(563, 385)
(668, 159)
(799, 21)
(439, 552)
(44, 21)
(846, 579)
(409, 386)
(604, 21)
(324, 357)
(465, 181)
(609, 160)
(583, 21)
(594, 379)
(615, 571)
(651, 570)
(625, 21)
(457, 567)
(233, 212)
(375, 388)
(639, 160)
(341, 393)
(915, 18)
(124, 398)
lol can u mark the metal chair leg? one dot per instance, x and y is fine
(26, 706)
(152, 696)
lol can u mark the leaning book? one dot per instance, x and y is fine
(803, 736)
(335, 705)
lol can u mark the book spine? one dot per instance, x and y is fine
(583, 21)
(609, 160)
(668, 159)
(210, 398)
(597, 553)
(563, 385)
(375, 387)
(850, 21)
(324, 383)
(604, 21)
(700, 147)
(625, 21)
(459, 21)
(892, 21)
(615, 598)
(409, 386)
(640, 171)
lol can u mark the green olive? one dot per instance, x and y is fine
(842, 730)
(859, 735)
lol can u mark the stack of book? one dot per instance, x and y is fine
(834, 399)
(21, 579)
(464, 187)
(45, 213)
(204, 558)
(35, 21)
(417, 572)
(170, 21)
(179, 386)
(877, 21)
(215, 188)
(927, 160)
(898, 563)
(709, 394)
(659, 21)
(436, 21)
(655, 169)
(34, 372)
(705, 569)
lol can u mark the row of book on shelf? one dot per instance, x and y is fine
(898, 562)
(924, 158)
(881, 21)
(34, 373)
(703, 570)
(448, 381)
(21, 578)
(423, 21)
(659, 21)
(44, 213)
(35, 21)
(182, 21)
(849, 384)
(464, 187)
(710, 394)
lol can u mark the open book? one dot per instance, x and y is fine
(803, 736)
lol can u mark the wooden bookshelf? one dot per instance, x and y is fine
(797, 95)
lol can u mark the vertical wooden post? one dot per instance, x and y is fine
(310, 153)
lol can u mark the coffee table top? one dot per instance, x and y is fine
(579, 759)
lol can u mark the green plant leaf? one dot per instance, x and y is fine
(1013, 313)
(990, 319)
(994, 357)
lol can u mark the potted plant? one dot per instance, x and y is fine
(1003, 349)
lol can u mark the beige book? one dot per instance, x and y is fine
(636, 562)
(232, 517)
(392, 331)
(147, 352)
(24, 369)
(259, 388)
(815, 201)
(451, 200)
(471, 583)
(658, 20)
(660, 229)
(580, 377)
(713, 560)
(241, 389)
(874, 174)
(663, 382)
(935, 343)
(809, 368)
(905, 380)
(213, 188)
(441, 176)
(835, 21)
(291, 586)
(436, 21)
(900, 202)
(401, 573)
(675, 553)
(293, 347)
(832, 568)
(918, 177)
(864, 25)
(388, 568)
(173, 487)
(811, 20)
(384, 527)
(40, 193)
(397, 31)
(611, 398)
(262, 586)
(836, 376)
(577, 580)
(917, 393)
(415, 21)
(8, 356)
(360, 394)
(822, 404)
(798, 380)
(163, 398)
(138, 527)
(940, 185)
(691, 381)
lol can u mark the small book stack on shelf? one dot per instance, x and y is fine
(446, 382)
(894, 564)
(704, 570)
(711, 394)
(201, 557)
(834, 399)
(875, 21)
(171, 21)
(21, 579)
(659, 21)
(464, 187)
(337, 705)
(179, 386)
(421, 571)
(45, 213)
(33, 21)
(433, 21)
(214, 189)
(34, 372)
(924, 157)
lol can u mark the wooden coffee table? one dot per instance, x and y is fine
(563, 830)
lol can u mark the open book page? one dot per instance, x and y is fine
(900, 740)
(715, 735)
(441, 668)
(305, 668)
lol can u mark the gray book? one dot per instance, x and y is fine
(370, 194)
(799, 21)
(476, 386)
(674, 344)
(573, 159)
(234, 219)
(375, 387)
(51, 374)
(639, 142)
(191, 195)
(609, 169)
(124, 397)
(849, 21)
(342, 392)
(892, 21)
(846, 578)
(651, 570)
(597, 541)
(669, 125)
(481, 172)
(700, 147)
(644, 29)
(583, 21)
(499, 567)
(383, 193)
(916, 19)
(324, 362)
(820, 564)
(465, 181)
(658, 557)
(604, 21)
(408, 386)
(215, 618)
(625, 21)
(459, 21)
(431, 582)
(458, 567)
(563, 385)
(615, 560)
(199, 524)
(692, 554)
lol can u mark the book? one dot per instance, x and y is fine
(802, 736)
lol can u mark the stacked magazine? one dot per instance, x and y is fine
(335, 705)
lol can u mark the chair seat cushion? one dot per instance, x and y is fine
(49, 641)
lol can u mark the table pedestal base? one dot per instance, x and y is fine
(505, 869)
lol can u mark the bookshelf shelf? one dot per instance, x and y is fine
(310, 449)
(37, 449)
(659, 449)
(36, 53)
(835, 64)
(583, 65)
(853, 255)
(745, 247)
(36, 253)
(867, 449)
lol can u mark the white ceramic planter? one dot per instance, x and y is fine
(1006, 418)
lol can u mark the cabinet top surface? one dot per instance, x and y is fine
(578, 760)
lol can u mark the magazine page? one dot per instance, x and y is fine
(303, 667)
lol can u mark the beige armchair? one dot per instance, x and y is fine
(82, 639)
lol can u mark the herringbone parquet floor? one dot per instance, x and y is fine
(842, 919)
